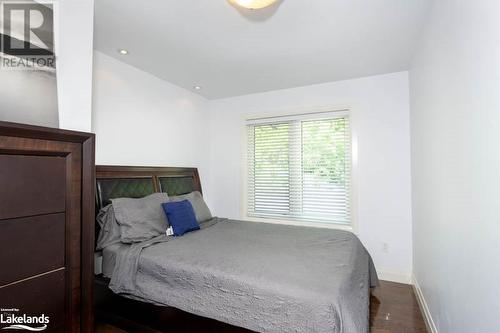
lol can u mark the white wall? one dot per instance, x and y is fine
(380, 120)
(74, 27)
(455, 127)
(142, 120)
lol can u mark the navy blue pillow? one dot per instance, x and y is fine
(181, 217)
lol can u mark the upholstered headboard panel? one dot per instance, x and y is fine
(108, 189)
(137, 182)
(177, 185)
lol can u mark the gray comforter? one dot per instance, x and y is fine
(264, 277)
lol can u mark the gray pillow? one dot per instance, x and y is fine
(199, 206)
(110, 230)
(140, 219)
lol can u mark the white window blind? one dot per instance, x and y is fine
(299, 167)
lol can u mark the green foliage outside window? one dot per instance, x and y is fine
(324, 149)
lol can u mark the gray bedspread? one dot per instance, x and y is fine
(264, 277)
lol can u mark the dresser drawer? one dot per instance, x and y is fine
(34, 297)
(32, 185)
(31, 246)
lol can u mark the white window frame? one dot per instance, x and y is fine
(310, 113)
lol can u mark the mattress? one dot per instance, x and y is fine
(264, 277)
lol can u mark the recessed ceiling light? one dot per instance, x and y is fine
(197, 87)
(123, 51)
(253, 4)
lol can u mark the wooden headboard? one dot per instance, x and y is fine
(137, 182)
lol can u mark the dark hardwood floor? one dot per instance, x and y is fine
(393, 309)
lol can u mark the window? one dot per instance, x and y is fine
(299, 168)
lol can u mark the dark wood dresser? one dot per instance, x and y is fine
(47, 225)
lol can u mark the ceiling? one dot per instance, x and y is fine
(230, 51)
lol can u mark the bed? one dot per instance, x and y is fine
(230, 276)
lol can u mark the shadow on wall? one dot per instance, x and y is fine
(28, 88)
(29, 97)
(259, 15)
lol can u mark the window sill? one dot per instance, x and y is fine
(337, 226)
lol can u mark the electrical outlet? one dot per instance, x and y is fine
(385, 247)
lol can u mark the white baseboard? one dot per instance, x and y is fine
(429, 322)
(394, 276)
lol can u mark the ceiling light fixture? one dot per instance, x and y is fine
(253, 4)
(123, 52)
(197, 87)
